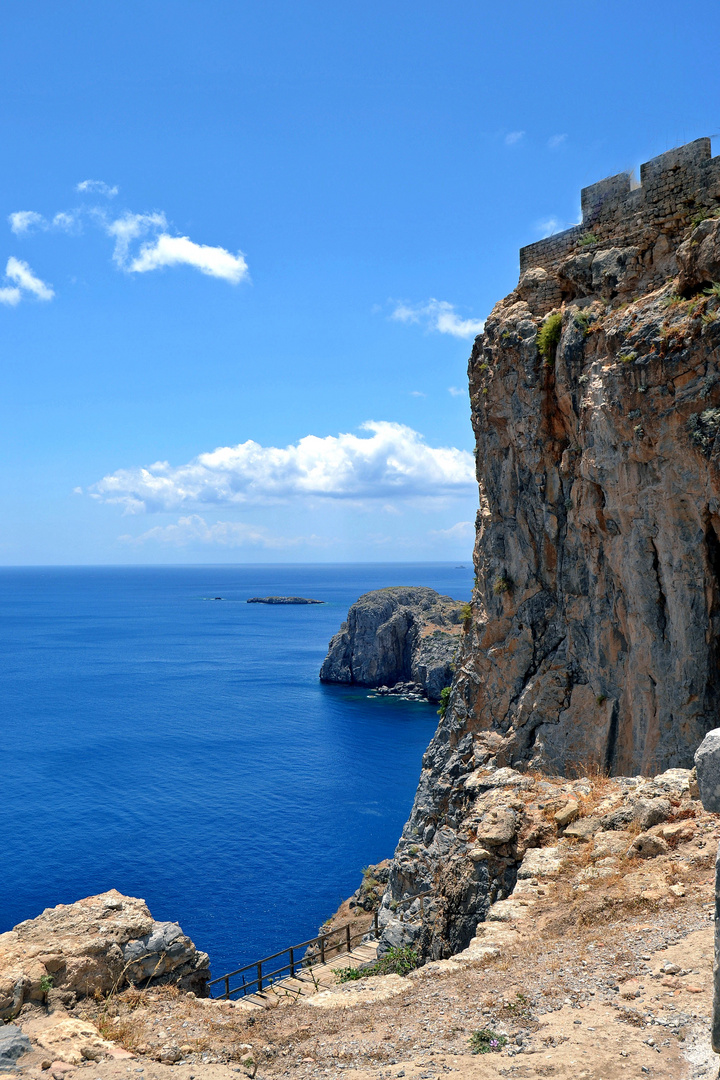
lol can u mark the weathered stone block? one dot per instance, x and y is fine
(707, 763)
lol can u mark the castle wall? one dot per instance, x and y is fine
(674, 188)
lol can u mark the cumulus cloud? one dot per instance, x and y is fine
(390, 461)
(168, 250)
(24, 282)
(514, 137)
(438, 315)
(23, 221)
(96, 187)
(193, 529)
(556, 140)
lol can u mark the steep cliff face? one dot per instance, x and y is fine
(397, 635)
(595, 639)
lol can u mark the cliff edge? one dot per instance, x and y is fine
(396, 635)
(594, 643)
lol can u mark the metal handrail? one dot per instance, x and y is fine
(414, 896)
(292, 965)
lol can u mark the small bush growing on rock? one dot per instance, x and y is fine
(549, 337)
(466, 615)
(502, 585)
(485, 1041)
(713, 290)
(444, 699)
(587, 239)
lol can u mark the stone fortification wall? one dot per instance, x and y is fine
(674, 189)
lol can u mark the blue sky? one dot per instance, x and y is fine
(255, 349)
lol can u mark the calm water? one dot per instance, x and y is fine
(184, 750)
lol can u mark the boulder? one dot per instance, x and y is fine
(707, 763)
(698, 257)
(13, 1044)
(95, 944)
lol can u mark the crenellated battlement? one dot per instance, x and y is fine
(674, 187)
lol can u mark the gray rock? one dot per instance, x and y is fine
(13, 1044)
(707, 763)
(397, 635)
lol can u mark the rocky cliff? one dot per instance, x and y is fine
(595, 635)
(397, 635)
(98, 944)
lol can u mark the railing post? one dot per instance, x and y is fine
(322, 950)
(259, 979)
(375, 920)
(347, 937)
(292, 963)
(227, 986)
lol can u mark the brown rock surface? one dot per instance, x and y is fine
(97, 944)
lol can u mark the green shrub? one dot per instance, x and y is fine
(485, 1041)
(549, 337)
(397, 961)
(348, 974)
(713, 290)
(444, 700)
(587, 239)
(466, 615)
(394, 962)
(502, 584)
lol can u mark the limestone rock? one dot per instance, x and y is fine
(540, 863)
(91, 945)
(13, 1044)
(396, 635)
(707, 763)
(568, 814)
(648, 846)
(699, 257)
(74, 1041)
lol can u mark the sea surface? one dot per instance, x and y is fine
(182, 749)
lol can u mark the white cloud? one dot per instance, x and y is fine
(10, 295)
(456, 391)
(556, 140)
(159, 249)
(130, 227)
(417, 393)
(391, 462)
(193, 529)
(438, 315)
(461, 530)
(96, 187)
(27, 221)
(169, 250)
(23, 221)
(548, 226)
(25, 281)
(514, 137)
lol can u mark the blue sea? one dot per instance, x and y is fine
(182, 749)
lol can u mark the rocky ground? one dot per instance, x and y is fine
(597, 965)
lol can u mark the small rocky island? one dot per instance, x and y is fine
(283, 600)
(401, 639)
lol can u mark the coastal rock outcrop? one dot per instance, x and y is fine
(397, 635)
(594, 639)
(97, 944)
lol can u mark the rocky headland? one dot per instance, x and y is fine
(401, 635)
